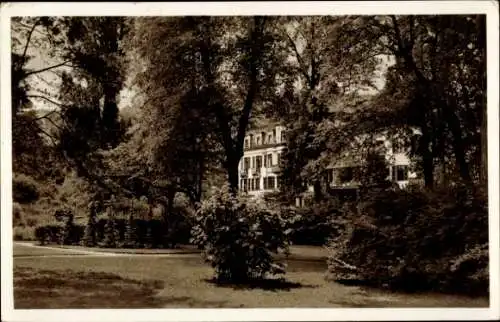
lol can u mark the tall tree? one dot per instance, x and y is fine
(95, 49)
(227, 65)
(31, 141)
(436, 85)
(444, 58)
(331, 59)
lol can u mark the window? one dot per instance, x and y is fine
(279, 158)
(269, 139)
(269, 183)
(346, 174)
(246, 163)
(258, 140)
(400, 173)
(258, 161)
(274, 135)
(241, 184)
(269, 160)
(246, 144)
(257, 183)
(251, 140)
(272, 183)
(283, 136)
(253, 162)
(329, 176)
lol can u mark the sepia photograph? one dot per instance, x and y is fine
(237, 157)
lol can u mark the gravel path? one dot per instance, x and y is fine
(80, 252)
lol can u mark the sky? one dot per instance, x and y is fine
(47, 83)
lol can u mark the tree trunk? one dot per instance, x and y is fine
(232, 172)
(427, 159)
(405, 52)
(481, 26)
(110, 117)
(457, 142)
(483, 175)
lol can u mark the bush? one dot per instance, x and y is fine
(90, 235)
(238, 238)
(48, 234)
(59, 234)
(414, 239)
(131, 237)
(111, 234)
(178, 228)
(24, 233)
(311, 225)
(471, 269)
(24, 189)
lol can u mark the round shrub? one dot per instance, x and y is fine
(238, 237)
(24, 189)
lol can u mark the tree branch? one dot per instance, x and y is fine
(46, 68)
(48, 119)
(302, 66)
(52, 139)
(401, 47)
(29, 39)
(47, 99)
(46, 115)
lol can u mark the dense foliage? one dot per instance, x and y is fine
(415, 239)
(239, 237)
(24, 189)
(312, 224)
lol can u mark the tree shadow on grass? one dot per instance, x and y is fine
(268, 284)
(70, 289)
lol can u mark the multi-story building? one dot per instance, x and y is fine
(260, 167)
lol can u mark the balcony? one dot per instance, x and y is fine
(266, 144)
(244, 173)
(275, 168)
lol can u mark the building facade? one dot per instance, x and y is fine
(260, 167)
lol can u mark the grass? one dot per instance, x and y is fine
(154, 282)
(68, 289)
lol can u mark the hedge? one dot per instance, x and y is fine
(113, 233)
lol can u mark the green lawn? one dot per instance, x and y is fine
(154, 282)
